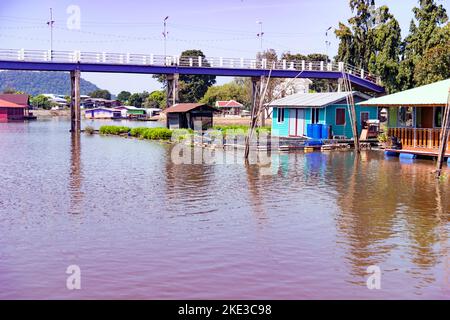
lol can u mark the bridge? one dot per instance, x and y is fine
(173, 66)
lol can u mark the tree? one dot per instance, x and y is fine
(137, 99)
(191, 87)
(228, 91)
(123, 96)
(41, 101)
(103, 94)
(385, 53)
(156, 99)
(318, 85)
(435, 63)
(429, 18)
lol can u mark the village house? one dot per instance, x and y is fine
(415, 117)
(102, 113)
(319, 115)
(231, 107)
(14, 107)
(189, 116)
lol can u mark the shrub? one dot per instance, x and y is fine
(89, 130)
(115, 130)
(151, 133)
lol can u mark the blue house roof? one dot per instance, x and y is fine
(314, 100)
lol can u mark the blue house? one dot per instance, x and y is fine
(292, 114)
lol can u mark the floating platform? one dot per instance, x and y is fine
(414, 153)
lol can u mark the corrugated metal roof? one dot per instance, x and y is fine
(20, 99)
(230, 104)
(312, 100)
(9, 104)
(435, 94)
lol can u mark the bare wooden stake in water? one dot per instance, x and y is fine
(444, 137)
(351, 109)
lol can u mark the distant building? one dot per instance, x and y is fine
(88, 103)
(10, 111)
(189, 116)
(14, 107)
(102, 113)
(57, 99)
(230, 107)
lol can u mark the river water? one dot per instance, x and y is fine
(140, 226)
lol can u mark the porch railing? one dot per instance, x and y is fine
(417, 137)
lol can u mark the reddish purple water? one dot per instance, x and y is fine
(139, 226)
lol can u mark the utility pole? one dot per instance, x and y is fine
(50, 24)
(260, 34)
(327, 42)
(165, 33)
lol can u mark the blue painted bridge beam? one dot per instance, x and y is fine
(153, 69)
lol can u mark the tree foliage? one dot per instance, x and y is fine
(228, 91)
(372, 40)
(191, 87)
(103, 94)
(123, 96)
(156, 99)
(41, 101)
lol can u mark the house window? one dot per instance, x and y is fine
(340, 116)
(405, 116)
(438, 117)
(280, 116)
(315, 115)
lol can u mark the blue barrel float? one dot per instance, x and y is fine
(314, 131)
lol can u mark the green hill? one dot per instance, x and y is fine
(37, 82)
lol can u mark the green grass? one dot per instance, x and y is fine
(151, 133)
(115, 130)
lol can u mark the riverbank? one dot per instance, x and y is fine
(41, 113)
(222, 121)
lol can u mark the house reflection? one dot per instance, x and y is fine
(376, 206)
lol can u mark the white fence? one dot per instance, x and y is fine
(160, 60)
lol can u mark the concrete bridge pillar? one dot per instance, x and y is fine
(75, 111)
(172, 89)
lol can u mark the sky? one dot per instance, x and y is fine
(226, 28)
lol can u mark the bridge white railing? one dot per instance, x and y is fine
(160, 60)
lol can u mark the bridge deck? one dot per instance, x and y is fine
(41, 60)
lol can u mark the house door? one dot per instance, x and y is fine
(364, 118)
(300, 122)
(292, 122)
(296, 122)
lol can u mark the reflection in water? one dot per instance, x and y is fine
(76, 175)
(156, 229)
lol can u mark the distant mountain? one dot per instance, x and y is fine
(37, 82)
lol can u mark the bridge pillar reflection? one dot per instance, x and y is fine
(172, 89)
(75, 111)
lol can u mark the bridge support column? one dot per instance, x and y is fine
(75, 111)
(172, 89)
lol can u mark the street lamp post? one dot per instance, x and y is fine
(260, 34)
(165, 36)
(50, 24)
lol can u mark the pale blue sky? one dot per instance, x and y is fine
(224, 28)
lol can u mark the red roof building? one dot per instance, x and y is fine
(231, 107)
(10, 111)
